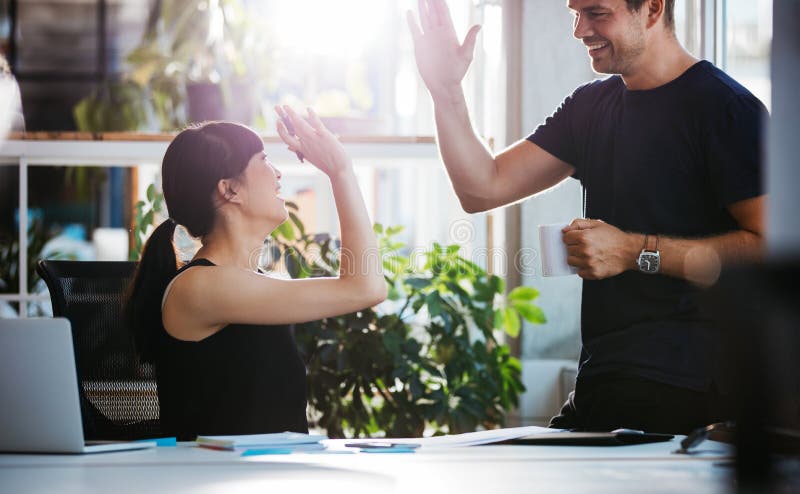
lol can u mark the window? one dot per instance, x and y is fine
(734, 34)
(747, 28)
(688, 25)
(360, 75)
(353, 61)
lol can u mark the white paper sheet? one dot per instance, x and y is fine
(454, 440)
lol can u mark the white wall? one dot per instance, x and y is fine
(554, 64)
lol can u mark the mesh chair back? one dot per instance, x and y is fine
(119, 398)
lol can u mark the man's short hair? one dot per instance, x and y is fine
(669, 11)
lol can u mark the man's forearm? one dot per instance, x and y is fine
(469, 163)
(700, 260)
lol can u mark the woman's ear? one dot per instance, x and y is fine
(227, 190)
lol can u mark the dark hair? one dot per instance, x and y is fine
(669, 11)
(195, 161)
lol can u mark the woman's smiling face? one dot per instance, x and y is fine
(262, 185)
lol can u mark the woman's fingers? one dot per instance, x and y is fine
(287, 136)
(315, 121)
(318, 145)
(301, 127)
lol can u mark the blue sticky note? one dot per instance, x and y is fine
(267, 451)
(160, 441)
(394, 449)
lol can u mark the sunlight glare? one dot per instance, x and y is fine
(341, 29)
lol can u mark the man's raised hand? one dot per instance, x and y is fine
(442, 61)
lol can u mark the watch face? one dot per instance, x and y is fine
(649, 262)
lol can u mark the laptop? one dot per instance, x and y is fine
(39, 395)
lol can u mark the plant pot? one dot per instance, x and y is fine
(205, 101)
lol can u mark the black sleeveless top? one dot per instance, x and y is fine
(243, 379)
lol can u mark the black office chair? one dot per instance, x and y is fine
(119, 398)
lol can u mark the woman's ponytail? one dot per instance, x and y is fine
(156, 268)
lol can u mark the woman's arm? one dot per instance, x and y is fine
(203, 300)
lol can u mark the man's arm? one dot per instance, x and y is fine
(481, 181)
(600, 250)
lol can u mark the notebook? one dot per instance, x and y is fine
(273, 440)
(39, 391)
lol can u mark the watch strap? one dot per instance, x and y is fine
(647, 242)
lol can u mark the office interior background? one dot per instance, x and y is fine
(357, 71)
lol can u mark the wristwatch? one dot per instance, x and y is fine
(649, 260)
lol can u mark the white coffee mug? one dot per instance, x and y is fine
(554, 251)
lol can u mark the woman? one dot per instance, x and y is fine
(216, 329)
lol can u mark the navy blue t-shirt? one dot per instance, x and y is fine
(662, 161)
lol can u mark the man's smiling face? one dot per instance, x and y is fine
(613, 35)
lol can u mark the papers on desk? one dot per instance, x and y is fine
(456, 440)
(281, 442)
(293, 442)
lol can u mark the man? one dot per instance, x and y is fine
(667, 150)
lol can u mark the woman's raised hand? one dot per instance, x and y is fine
(316, 143)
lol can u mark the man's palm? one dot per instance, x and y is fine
(442, 61)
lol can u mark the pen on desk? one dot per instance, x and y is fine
(289, 128)
(700, 434)
(382, 445)
(387, 450)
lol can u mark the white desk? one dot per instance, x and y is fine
(647, 468)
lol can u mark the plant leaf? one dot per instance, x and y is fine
(498, 322)
(418, 283)
(511, 322)
(434, 302)
(497, 284)
(523, 293)
(286, 230)
(530, 312)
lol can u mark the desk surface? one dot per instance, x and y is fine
(503, 469)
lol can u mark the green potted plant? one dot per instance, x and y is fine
(145, 212)
(190, 62)
(430, 360)
(114, 105)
